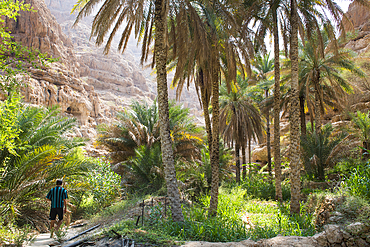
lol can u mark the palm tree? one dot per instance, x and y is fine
(140, 127)
(270, 15)
(207, 46)
(43, 153)
(143, 17)
(262, 66)
(239, 118)
(319, 150)
(320, 76)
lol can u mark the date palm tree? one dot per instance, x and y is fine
(320, 76)
(140, 127)
(262, 66)
(209, 46)
(145, 18)
(43, 153)
(240, 118)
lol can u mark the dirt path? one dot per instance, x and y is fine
(44, 240)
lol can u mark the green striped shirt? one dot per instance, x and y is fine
(57, 195)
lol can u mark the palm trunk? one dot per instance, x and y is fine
(294, 116)
(303, 116)
(244, 161)
(237, 162)
(205, 104)
(215, 140)
(166, 142)
(268, 137)
(250, 157)
(277, 158)
(317, 102)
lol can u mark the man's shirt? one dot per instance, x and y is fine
(57, 195)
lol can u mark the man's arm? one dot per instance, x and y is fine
(65, 205)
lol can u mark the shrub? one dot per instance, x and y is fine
(358, 183)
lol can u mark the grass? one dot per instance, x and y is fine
(239, 217)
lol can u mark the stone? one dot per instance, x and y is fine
(259, 154)
(320, 238)
(361, 242)
(296, 241)
(333, 234)
(346, 235)
(356, 228)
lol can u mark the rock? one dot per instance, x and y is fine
(294, 241)
(333, 234)
(346, 235)
(320, 238)
(361, 242)
(357, 228)
(259, 154)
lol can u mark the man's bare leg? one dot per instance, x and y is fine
(58, 224)
(52, 228)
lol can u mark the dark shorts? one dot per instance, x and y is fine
(54, 212)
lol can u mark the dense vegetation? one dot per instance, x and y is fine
(158, 150)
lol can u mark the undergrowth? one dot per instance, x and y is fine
(238, 217)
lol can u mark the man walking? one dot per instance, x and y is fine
(57, 196)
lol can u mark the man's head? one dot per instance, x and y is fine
(59, 181)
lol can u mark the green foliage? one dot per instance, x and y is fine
(140, 126)
(61, 234)
(361, 122)
(261, 186)
(237, 219)
(8, 117)
(41, 154)
(104, 183)
(318, 150)
(144, 172)
(358, 183)
(9, 233)
(198, 176)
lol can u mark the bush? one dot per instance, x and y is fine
(358, 183)
(98, 190)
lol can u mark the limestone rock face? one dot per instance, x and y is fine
(358, 19)
(118, 77)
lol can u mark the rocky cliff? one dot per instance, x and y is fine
(118, 78)
(358, 22)
(85, 83)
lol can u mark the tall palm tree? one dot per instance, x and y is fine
(270, 15)
(209, 45)
(294, 114)
(142, 17)
(262, 66)
(239, 118)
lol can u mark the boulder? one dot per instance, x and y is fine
(357, 228)
(259, 154)
(333, 234)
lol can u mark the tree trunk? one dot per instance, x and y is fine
(244, 162)
(277, 158)
(237, 162)
(317, 102)
(250, 157)
(166, 141)
(205, 104)
(294, 115)
(215, 160)
(303, 116)
(268, 137)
